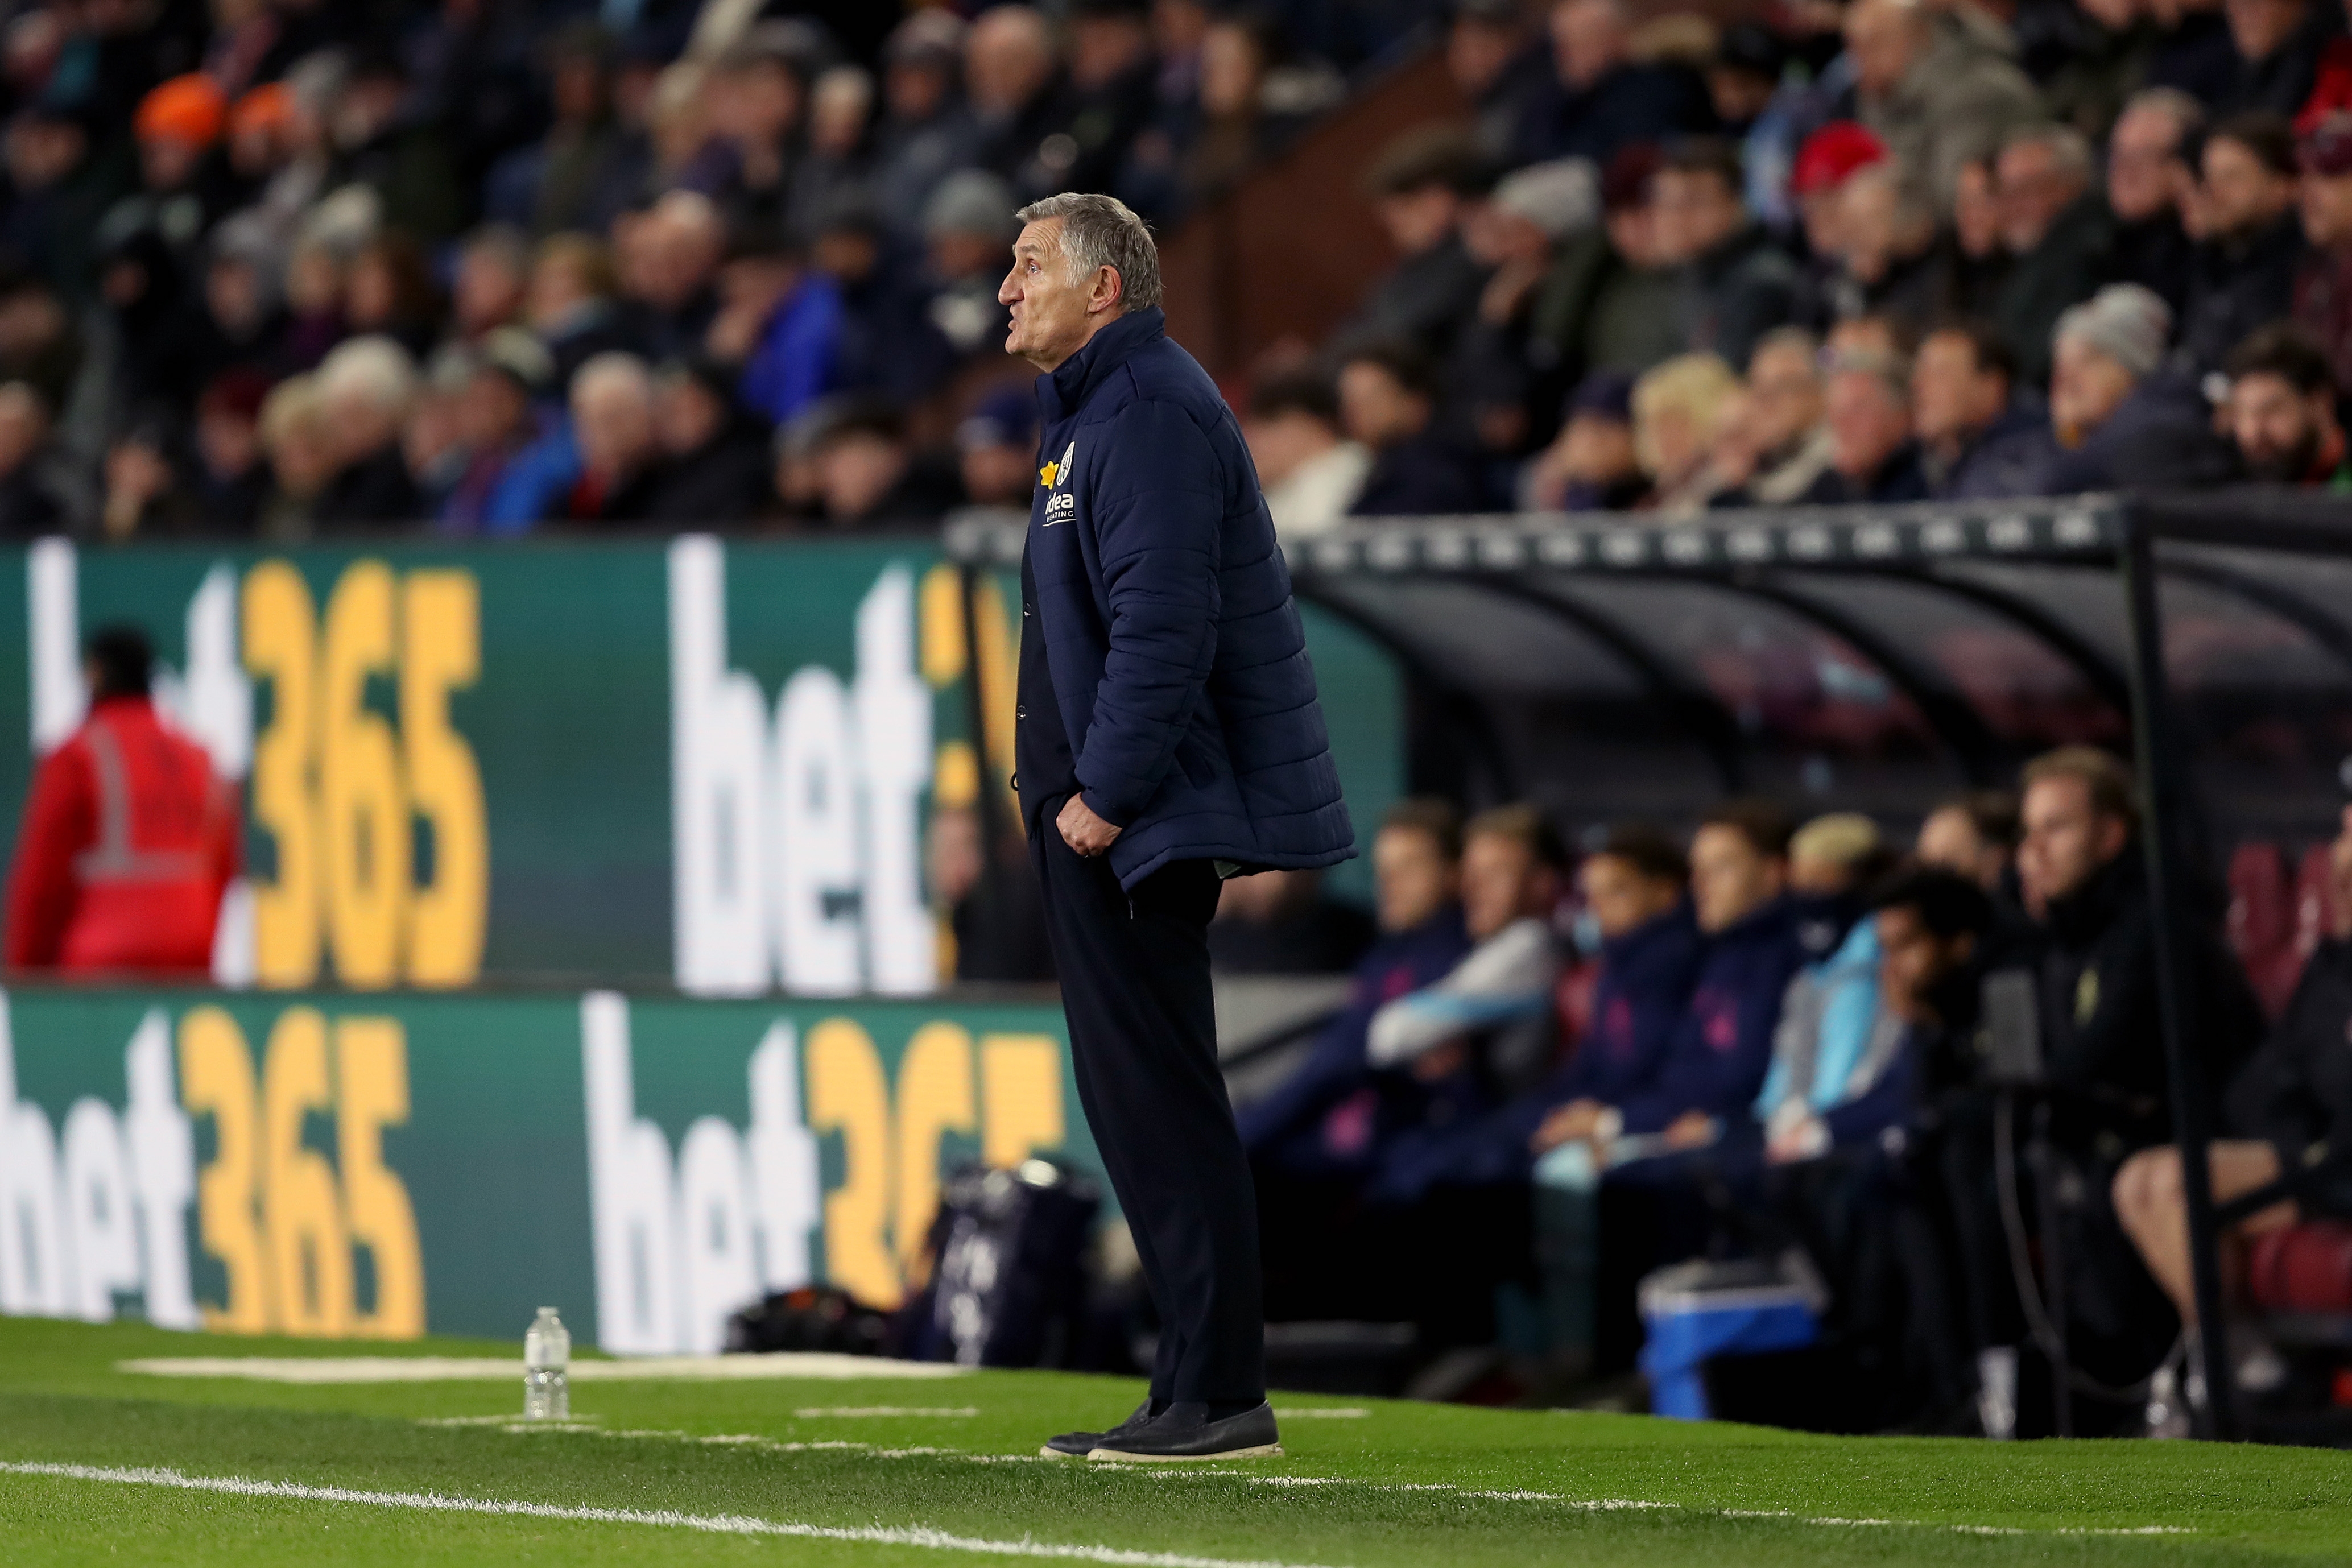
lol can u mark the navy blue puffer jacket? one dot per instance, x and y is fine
(1178, 665)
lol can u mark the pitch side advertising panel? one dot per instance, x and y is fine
(704, 763)
(338, 1166)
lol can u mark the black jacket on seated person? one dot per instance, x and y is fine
(723, 482)
(2236, 285)
(2102, 1040)
(1420, 477)
(1902, 478)
(2296, 1093)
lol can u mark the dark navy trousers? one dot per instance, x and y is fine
(1143, 1035)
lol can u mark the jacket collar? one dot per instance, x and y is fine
(2084, 915)
(1063, 390)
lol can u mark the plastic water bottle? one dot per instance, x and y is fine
(547, 1369)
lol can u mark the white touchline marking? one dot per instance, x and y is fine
(826, 1365)
(712, 1523)
(863, 1410)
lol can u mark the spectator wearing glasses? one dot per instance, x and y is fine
(1980, 437)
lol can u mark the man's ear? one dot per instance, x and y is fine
(1109, 289)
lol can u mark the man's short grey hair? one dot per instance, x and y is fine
(613, 371)
(2188, 115)
(1100, 231)
(373, 369)
(2069, 149)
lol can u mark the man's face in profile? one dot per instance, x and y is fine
(2067, 840)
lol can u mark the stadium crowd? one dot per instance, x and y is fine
(1554, 1076)
(275, 267)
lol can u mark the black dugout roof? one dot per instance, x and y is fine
(1859, 658)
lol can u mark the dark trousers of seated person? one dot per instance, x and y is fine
(1650, 1214)
(1435, 1262)
(1134, 968)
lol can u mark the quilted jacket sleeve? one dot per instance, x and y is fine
(1158, 506)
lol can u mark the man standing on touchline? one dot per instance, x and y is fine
(1167, 737)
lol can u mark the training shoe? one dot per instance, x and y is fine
(1183, 1431)
(1078, 1445)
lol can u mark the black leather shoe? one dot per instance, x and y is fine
(1078, 1445)
(1183, 1431)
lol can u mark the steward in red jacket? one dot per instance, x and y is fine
(127, 839)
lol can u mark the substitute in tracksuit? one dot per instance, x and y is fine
(128, 840)
(1167, 736)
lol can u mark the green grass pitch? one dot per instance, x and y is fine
(97, 1464)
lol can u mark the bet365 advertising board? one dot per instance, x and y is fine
(336, 1165)
(490, 790)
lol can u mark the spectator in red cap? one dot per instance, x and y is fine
(2323, 290)
(1829, 158)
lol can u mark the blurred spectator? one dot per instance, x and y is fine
(1492, 1016)
(1982, 438)
(1510, 377)
(301, 458)
(39, 492)
(382, 144)
(2245, 269)
(867, 472)
(2282, 411)
(1789, 444)
(1608, 301)
(1678, 410)
(1593, 465)
(1111, 75)
(995, 914)
(1716, 1058)
(1388, 400)
(388, 292)
(2147, 175)
(2057, 229)
(1752, 106)
(1315, 1137)
(243, 320)
(227, 478)
(181, 192)
(1980, 261)
(1421, 186)
(366, 390)
(1311, 472)
(127, 839)
(756, 93)
(1634, 886)
(924, 132)
(714, 467)
(1974, 836)
(671, 254)
(1827, 159)
(1600, 100)
(499, 422)
(38, 344)
(1499, 67)
(968, 233)
(833, 167)
(2103, 62)
(1238, 122)
(1013, 80)
(781, 320)
(614, 417)
(1873, 457)
(2278, 45)
(2323, 295)
(1891, 265)
(59, 188)
(996, 450)
(1937, 85)
(576, 177)
(2119, 419)
(569, 304)
(1283, 922)
(1737, 283)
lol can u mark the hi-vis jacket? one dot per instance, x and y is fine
(126, 845)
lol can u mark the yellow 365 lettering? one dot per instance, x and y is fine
(362, 811)
(280, 633)
(847, 1093)
(339, 791)
(284, 1222)
(934, 1097)
(310, 1254)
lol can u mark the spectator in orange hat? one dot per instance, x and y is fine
(181, 185)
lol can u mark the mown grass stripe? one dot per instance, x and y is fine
(711, 1523)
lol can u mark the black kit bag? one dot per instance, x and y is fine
(1008, 1279)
